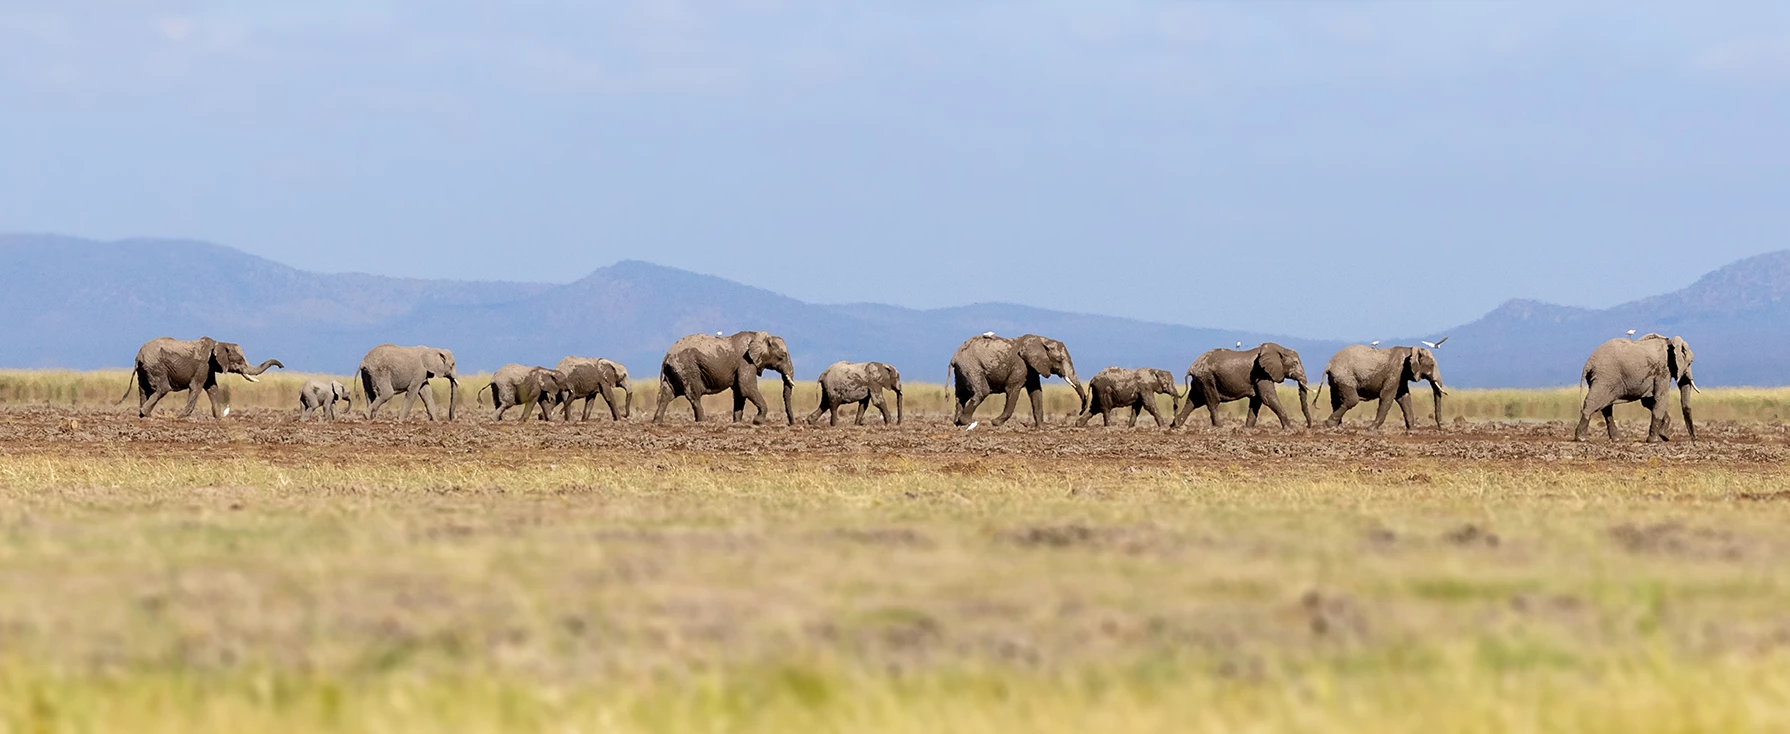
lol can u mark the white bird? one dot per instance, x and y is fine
(1239, 345)
(988, 333)
(1374, 343)
(972, 426)
(1631, 332)
(719, 334)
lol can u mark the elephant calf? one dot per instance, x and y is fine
(1644, 369)
(591, 378)
(1135, 389)
(1225, 375)
(844, 383)
(319, 395)
(515, 384)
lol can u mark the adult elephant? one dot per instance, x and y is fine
(515, 384)
(988, 364)
(390, 369)
(590, 378)
(1361, 372)
(700, 364)
(1225, 375)
(166, 365)
(844, 383)
(1116, 388)
(1620, 371)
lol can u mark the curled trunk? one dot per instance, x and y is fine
(249, 372)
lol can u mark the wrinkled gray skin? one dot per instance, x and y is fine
(1360, 372)
(514, 384)
(319, 395)
(844, 383)
(390, 369)
(590, 378)
(1116, 388)
(166, 365)
(1620, 371)
(1224, 375)
(984, 365)
(701, 364)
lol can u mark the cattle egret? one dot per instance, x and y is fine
(1239, 345)
(988, 333)
(1631, 332)
(1374, 343)
(972, 426)
(719, 334)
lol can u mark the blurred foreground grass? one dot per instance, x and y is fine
(260, 591)
(279, 391)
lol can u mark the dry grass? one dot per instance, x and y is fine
(279, 390)
(238, 576)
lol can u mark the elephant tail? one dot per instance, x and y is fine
(129, 387)
(488, 386)
(1323, 378)
(1190, 385)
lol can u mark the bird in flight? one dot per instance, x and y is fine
(1631, 332)
(1435, 343)
(1374, 343)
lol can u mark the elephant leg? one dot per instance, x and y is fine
(971, 391)
(1609, 412)
(863, 407)
(1135, 409)
(666, 395)
(615, 412)
(833, 413)
(750, 392)
(192, 401)
(1255, 409)
(1012, 394)
(584, 415)
(1405, 407)
(1592, 407)
(373, 405)
(696, 410)
(1187, 408)
(1386, 400)
(428, 398)
(1150, 405)
(214, 394)
(1342, 400)
(1270, 396)
(1035, 391)
(818, 409)
(1657, 417)
(147, 403)
(332, 411)
(882, 405)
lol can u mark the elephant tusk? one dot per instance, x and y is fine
(250, 378)
(1698, 389)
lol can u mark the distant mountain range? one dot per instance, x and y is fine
(81, 304)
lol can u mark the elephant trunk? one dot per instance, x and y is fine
(897, 390)
(1436, 387)
(789, 397)
(1174, 399)
(1069, 375)
(1684, 403)
(628, 392)
(249, 372)
(1305, 402)
(454, 396)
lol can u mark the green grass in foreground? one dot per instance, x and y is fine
(485, 593)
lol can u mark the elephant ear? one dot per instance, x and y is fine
(1035, 350)
(1272, 363)
(758, 347)
(1674, 358)
(208, 349)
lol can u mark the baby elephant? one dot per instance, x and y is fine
(515, 384)
(319, 395)
(1134, 389)
(863, 383)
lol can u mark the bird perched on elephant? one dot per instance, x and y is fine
(1116, 388)
(317, 395)
(390, 369)
(1644, 369)
(701, 364)
(844, 383)
(988, 364)
(590, 378)
(166, 365)
(1361, 372)
(1225, 375)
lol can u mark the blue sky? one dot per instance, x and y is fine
(1332, 168)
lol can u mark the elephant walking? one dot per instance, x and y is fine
(988, 364)
(590, 378)
(1225, 375)
(514, 384)
(1361, 372)
(844, 383)
(317, 395)
(1116, 388)
(166, 365)
(701, 364)
(1620, 371)
(390, 369)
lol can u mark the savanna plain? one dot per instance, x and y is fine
(260, 573)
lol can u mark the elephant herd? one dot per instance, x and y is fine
(1643, 369)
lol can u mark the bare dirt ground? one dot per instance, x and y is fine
(273, 435)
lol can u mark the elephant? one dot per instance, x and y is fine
(590, 378)
(988, 364)
(1115, 387)
(319, 395)
(389, 369)
(514, 384)
(166, 365)
(1224, 375)
(701, 364)
(1620, 371)
(1360, 372)
(844, 383)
